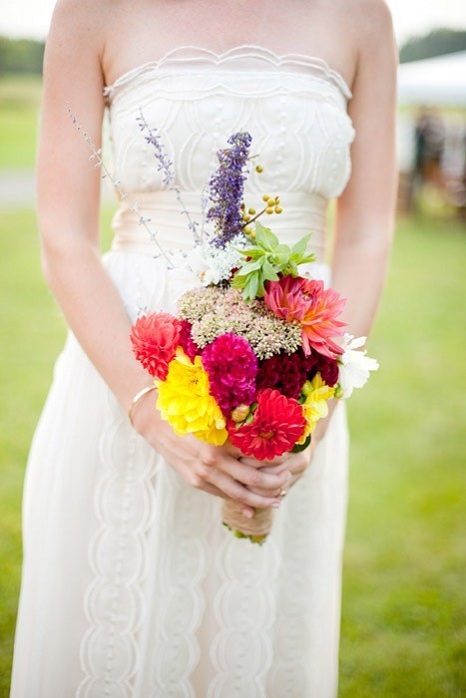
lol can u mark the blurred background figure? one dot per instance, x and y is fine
(432, 134)
(429, 147)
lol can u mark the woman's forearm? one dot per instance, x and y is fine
(358, 274)
(94, 311)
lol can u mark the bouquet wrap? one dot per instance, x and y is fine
(256, 529)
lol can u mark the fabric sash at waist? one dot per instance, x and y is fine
(302, 214)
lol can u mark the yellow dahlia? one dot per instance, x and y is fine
(185, 402)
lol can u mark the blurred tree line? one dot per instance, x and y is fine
(436, 43)
(26, 55)
(20, 56)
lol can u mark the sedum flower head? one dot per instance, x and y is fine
(214, 311)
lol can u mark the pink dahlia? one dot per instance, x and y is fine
(231, 365)
(155, 338)
(315, 308)
(277, 425)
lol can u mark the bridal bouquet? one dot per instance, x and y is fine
(256, 351)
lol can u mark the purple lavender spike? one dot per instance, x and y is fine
(227, 189)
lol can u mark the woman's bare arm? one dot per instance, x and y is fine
(365, 211)
(68, 195)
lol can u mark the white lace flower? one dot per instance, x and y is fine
(213, 264)
(354, 365)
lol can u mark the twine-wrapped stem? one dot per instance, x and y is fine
(256, 529)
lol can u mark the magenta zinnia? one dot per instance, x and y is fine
(189, 346)
(278, 424)
(315, 308)
(231, 366)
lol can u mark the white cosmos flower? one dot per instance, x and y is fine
(354, 364)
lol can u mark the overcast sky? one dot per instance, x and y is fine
(31, 18)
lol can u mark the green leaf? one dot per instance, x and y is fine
(265, 238)
(297, 448)
(252, 287)
(290, 269)
(239, 281)
(301, 246)
(308, 258)
(282, 249)
(253, 252)
(249, 267)
(268, 271)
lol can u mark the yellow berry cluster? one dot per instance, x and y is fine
(247, 215)
(272, 204)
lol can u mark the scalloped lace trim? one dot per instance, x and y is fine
(196, 56)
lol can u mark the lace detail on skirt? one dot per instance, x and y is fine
(242, 651)
(119, 557)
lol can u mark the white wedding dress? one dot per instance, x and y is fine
(131, 587)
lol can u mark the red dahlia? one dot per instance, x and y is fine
(278, 423)
(155, 338)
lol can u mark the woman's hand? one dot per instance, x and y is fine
(218, 470)
(295, 464)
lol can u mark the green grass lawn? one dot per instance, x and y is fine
(404, 606)
(19, 110)
(404, 612)
(31, 333)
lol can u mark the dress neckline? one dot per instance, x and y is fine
(199, 55)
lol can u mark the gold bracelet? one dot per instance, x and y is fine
(136, 399)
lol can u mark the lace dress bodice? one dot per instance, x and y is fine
(294, 107)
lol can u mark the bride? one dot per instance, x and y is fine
(131, 587)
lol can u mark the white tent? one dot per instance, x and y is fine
(439, 81)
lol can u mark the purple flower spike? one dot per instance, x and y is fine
(227, 187)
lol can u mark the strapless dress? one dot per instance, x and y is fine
(131, 586)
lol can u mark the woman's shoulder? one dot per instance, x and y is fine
(84, 15)
(359, 8)
(368, 18)
(369, 28)
(79, 30)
